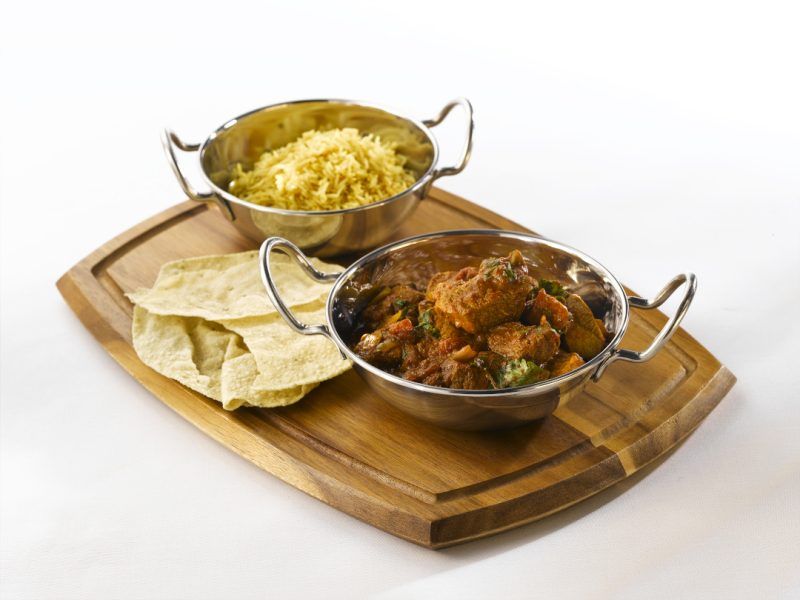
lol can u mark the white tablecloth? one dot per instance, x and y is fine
(656, 138)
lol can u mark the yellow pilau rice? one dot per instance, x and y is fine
(324, 170)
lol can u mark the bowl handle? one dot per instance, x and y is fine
(668, 329)
(466, 150)
(288, 248)
(169, 140)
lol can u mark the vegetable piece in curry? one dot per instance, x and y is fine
(490, 327)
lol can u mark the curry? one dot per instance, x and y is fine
(492, 326)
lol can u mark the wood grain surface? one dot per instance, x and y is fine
(350, 449)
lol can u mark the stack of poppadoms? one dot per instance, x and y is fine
(208, 323)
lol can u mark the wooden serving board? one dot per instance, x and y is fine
(350, 449)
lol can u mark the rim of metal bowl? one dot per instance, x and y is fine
(420, 182)
(548, 384)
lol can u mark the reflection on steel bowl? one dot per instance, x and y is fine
(324, 233)
(415, 260)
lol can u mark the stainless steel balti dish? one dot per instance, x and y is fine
(324, 233)
(415, 259)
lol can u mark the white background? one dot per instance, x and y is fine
(656, 137)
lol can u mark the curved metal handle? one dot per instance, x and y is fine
(169, 140)
(288, 248)
(466, 150)
(666, 331)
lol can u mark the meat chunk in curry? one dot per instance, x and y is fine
(549, 307)
(492, 326)
(516, 340)
(477, 301)
(391, 304)
(384, 347)
(563, 363)
(586, 335)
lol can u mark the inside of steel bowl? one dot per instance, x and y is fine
(244, 139)
(414, 262)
